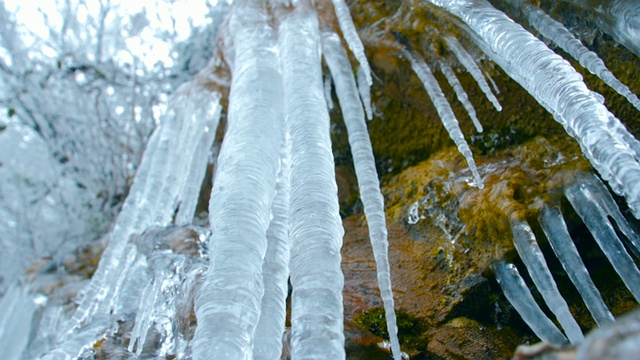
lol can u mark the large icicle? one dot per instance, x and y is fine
(584, 202)
(518, 294)
(364, 162)
(461, 94)
(228, 303)
(315, 226)
(531, 255)
(443, 108)
(268, 336)
(559, 88)
(556, 32)
(467, 61)
(556, 231)
(352, 38)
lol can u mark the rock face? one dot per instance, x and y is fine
(444, 234)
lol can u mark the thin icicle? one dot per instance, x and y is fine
(315, 226)
(531, 255)
(556, 32)
(582, 200)
(494, 86)
(518, 294)
(555, 228)
(351, 37)
(364, 163)
(198, 166)
(557, 87)
(228, 302)
(365, 93)
(603, 199)
(143, 316)
(461, 94)
(443, 108)
(467, 61)
(268, 336)
(327, 92)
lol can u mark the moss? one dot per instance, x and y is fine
(411, 329)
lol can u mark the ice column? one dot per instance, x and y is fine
(364, 162)
(518, 294)
(461, 94)
(352, 38)
(228, 303)
(443, 108)
(556, 231)
(275, 270)
(584, 202)
(527, 247)
(556, 32)
(315, 226)
(467, 61)
(559, 88)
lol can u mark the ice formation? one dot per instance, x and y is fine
(228, 304)
(441, 104)
(556, 231)
(336, 58)
(557, 87)
(274, 211)
(316, 277)
(556, 32)
(467, 61)
(452, 79)
(531, 255)
(518, 294)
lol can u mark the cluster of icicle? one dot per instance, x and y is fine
(598, 210)
(556, 85)
(274, 209)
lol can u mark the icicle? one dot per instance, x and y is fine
(494, 86)
(198, 166)
(364, 162)
(557, 87)
(16, 312)
(351, 37)
(315, 226)
(467, 61)
(275, 270)
(583, 201)
(527, 247)
(461, 94)
(228, 302)
(444, 109)
(365, 93)
(144, 315)
(327, 92)
(556, 32)
(601, 197)
(140, 202)
(518, 294)
(555, 228)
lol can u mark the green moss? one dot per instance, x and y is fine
(411, 329)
